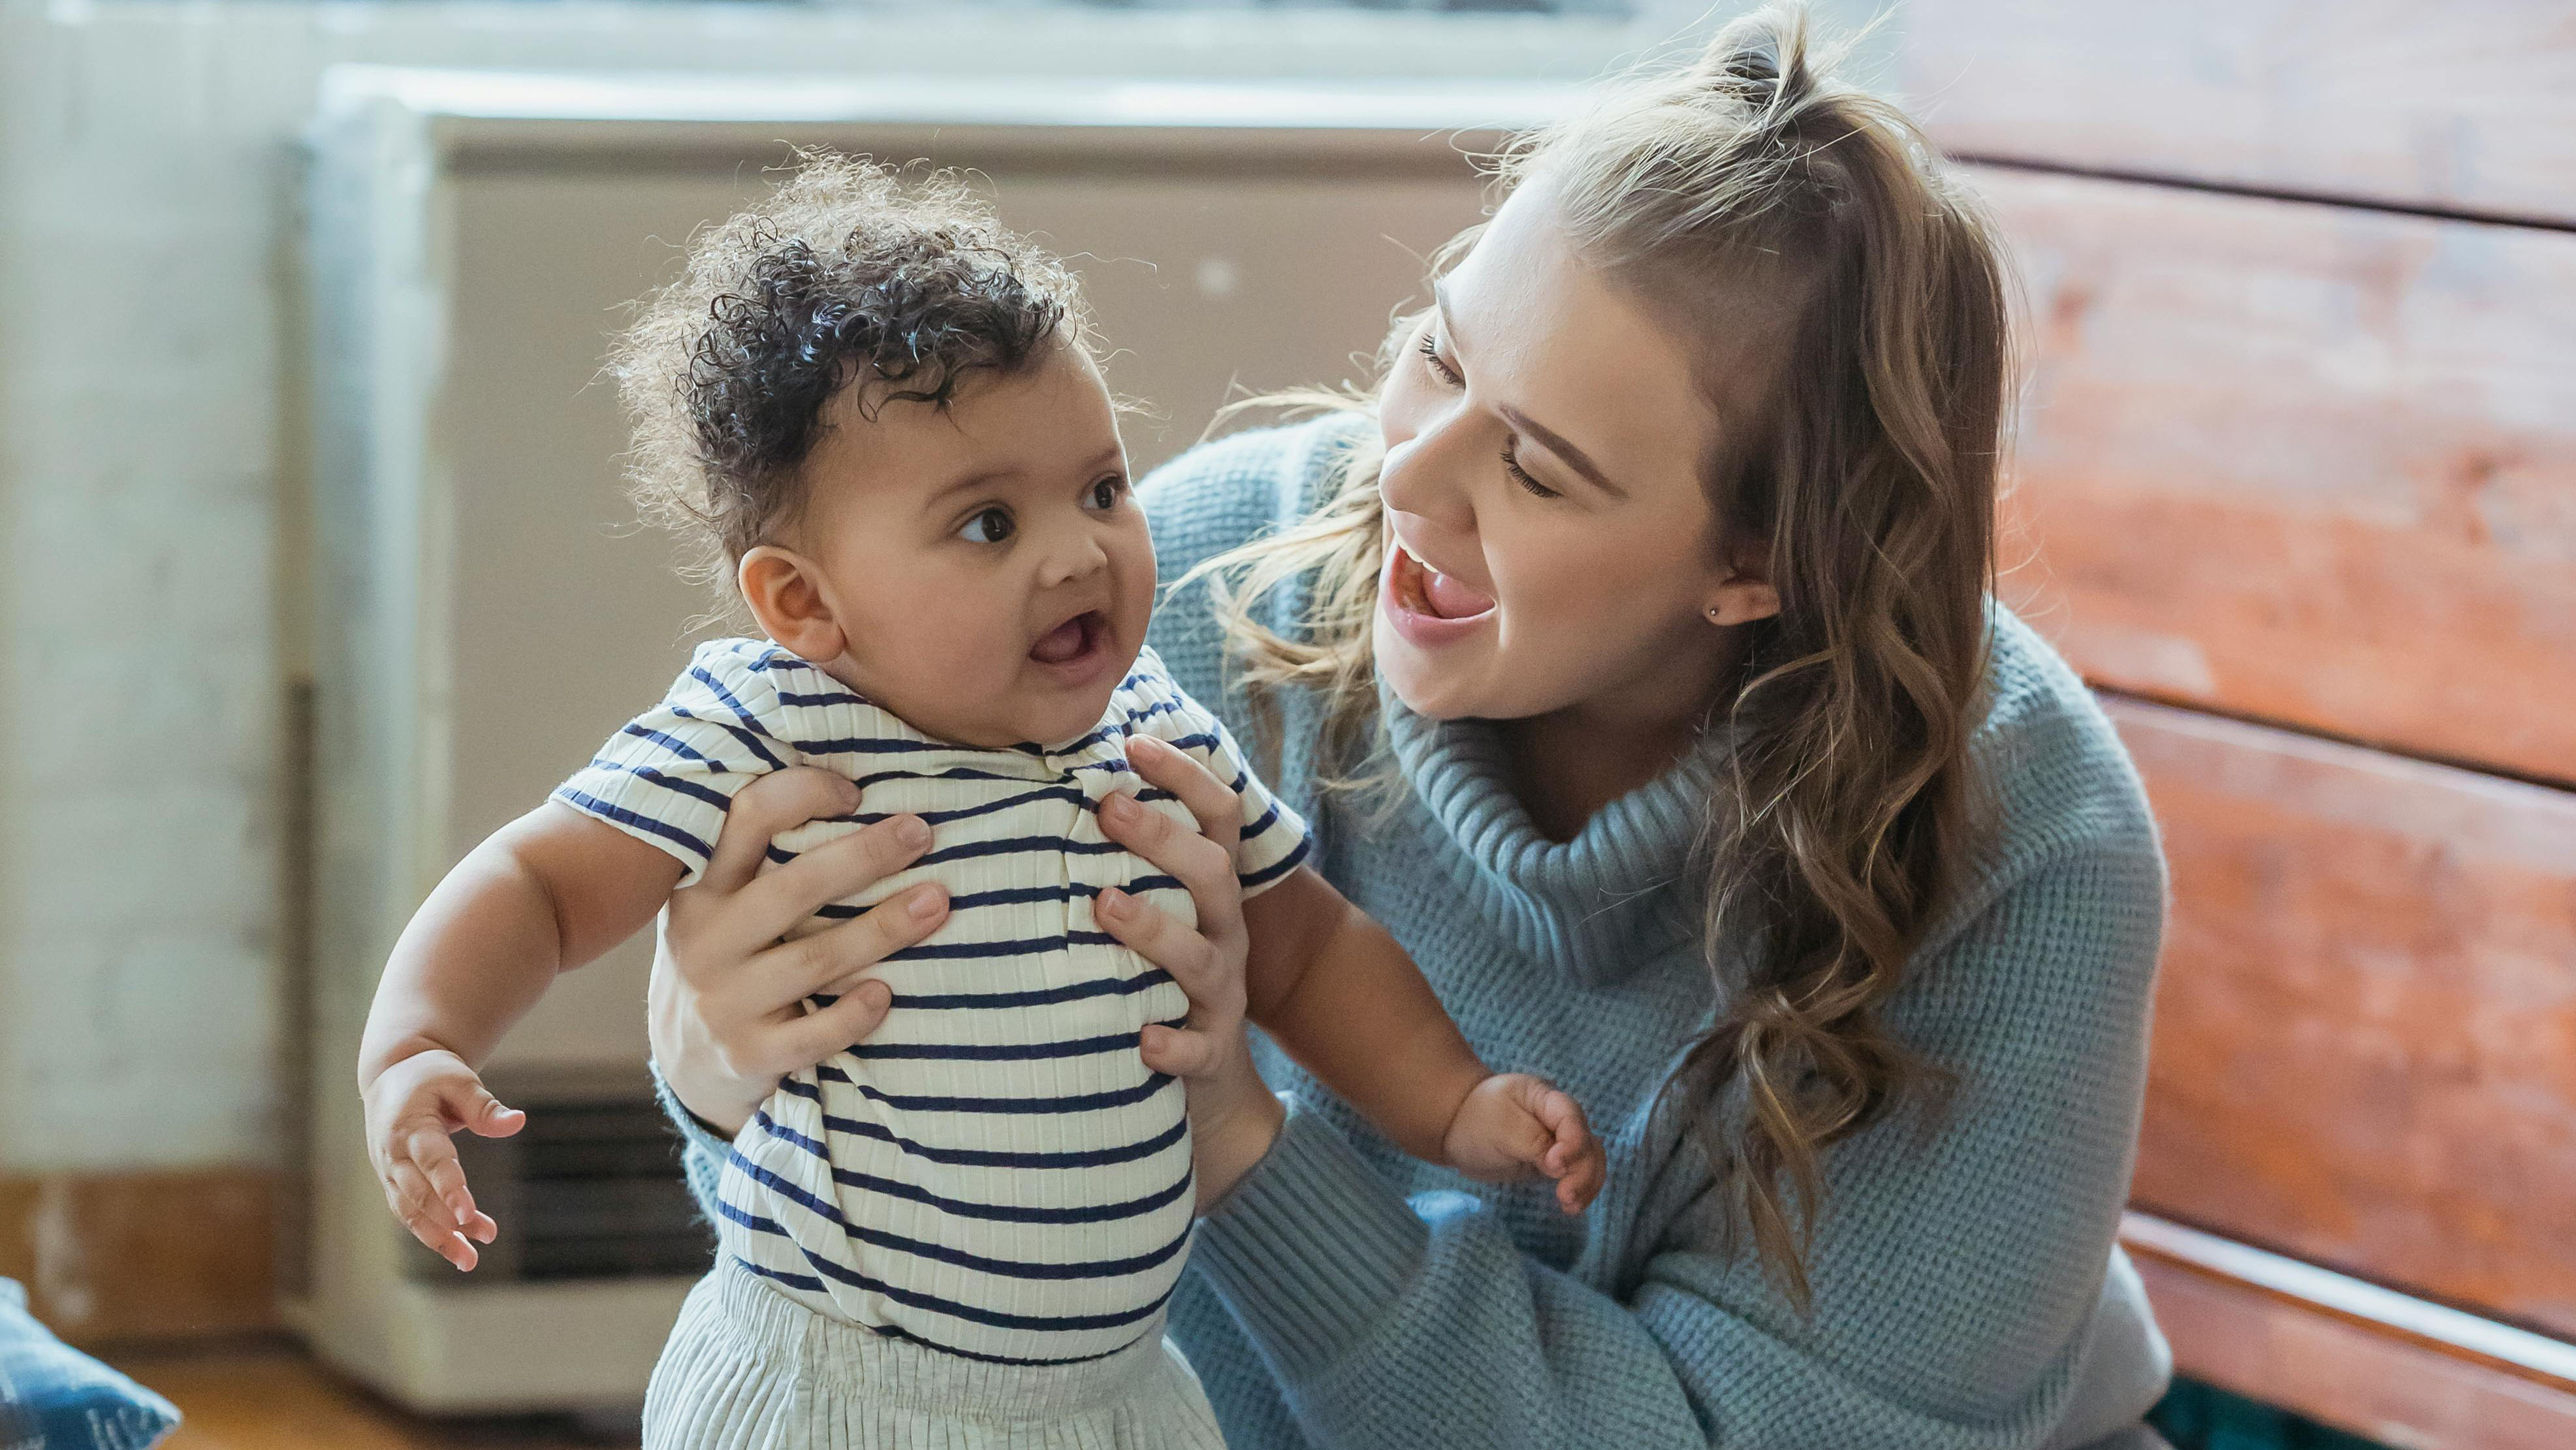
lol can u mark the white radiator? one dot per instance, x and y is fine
(486, 615)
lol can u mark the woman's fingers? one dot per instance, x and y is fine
(1160, 839)
(1213, 803)
(779, 801)
(836, 1028)
(817, 963)
(1151, 933)
(1206, 961)
(1204, 867)
(777, 903)
(1179, 1051)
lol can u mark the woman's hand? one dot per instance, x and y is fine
(1233, 1117)
(728, 996)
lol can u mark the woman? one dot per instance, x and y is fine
(1631, 651)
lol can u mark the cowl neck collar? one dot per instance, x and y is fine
(1625, 890)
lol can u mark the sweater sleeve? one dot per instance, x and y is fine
(702, 1148)
(1955, 1274)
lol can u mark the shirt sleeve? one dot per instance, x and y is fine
(1274, 839)
(669, 776)
(1956, 1288)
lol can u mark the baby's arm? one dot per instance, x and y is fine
(1338, 994)
(544, 894)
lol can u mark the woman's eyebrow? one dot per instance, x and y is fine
(1548, 438)
(1575, 458)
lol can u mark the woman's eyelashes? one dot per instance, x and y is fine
(1520, 475)
(1430, 350)
(1429, 347)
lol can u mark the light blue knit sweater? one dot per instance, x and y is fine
(1348, 1297)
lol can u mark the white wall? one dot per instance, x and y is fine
(152, 468)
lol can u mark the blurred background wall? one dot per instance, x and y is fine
(153, 461)
(153, 455)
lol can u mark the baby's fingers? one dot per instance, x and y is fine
(1577, 1187)
(1574, 1157)
(433, 1157)
(418, 1206)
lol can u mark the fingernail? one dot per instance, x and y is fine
(1118, 807)
(913, 833)
(925, 903)
(1113, 903)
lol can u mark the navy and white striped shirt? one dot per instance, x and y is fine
(994, 1171)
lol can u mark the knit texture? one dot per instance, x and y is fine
(1348, 1297)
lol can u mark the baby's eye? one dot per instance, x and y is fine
(1105, 493)
(991, 526)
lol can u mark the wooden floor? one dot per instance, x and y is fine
(270, 1395)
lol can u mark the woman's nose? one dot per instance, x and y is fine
(1425, 475)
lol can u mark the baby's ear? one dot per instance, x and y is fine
(782, 589)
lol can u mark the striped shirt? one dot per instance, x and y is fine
(994, 1171)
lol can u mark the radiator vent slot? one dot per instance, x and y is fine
(591, 1188)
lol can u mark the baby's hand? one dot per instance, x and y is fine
(1514, 1125)
(411, 1108)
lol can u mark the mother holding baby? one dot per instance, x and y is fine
(1631, 651)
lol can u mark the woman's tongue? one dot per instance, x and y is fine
(1448, 598)
(1062, 643)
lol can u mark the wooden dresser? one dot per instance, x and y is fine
(2296, 489)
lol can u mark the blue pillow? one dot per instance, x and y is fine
(55, 1397)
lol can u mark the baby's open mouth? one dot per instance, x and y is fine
(1428, 591)
(1071, 640)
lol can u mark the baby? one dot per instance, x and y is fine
(880, 414)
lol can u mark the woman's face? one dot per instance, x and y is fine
(1550, 545)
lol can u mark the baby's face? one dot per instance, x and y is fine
(986, 571)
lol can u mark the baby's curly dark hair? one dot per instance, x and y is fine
(849, 273)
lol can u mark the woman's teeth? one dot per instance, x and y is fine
(1446, 598)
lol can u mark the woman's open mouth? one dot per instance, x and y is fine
(1075, 649)
(1428, 607)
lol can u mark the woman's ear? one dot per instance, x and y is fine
(1743, 596)
(785, 594)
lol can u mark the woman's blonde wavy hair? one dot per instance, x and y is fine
(1870, 482)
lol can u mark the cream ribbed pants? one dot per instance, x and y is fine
(748, 1369)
